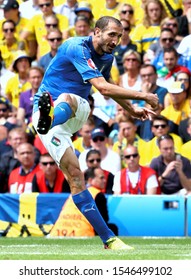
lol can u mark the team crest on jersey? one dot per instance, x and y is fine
(55, 141)
(91, 64)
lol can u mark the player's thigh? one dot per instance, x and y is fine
(58, 138)
(81, 115)
(56, 141)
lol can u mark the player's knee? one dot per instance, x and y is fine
(71, 101)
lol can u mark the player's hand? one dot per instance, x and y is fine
(147, 114)
(153, 100)
(143, 113)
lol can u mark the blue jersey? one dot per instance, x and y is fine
(75, 63)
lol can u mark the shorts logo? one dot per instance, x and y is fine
(55, 141)
(91, 64)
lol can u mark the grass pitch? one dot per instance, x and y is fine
(35, 248)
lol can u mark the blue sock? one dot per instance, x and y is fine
(86, 204)
(62, 113)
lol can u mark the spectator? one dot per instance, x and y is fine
(144, 127)
(173, 8)
(67, 9)
(101, 119)
(126, 12)
(51, 22)
(15, 136)
(6, 121)
(148, 75)
(50, 178)
(160, 126)
(11, 12)
(19, 82)
(148, 32)
(107, 105)
(81, 27)
(9, 159)
(37, 26)
(39, 145)
(113, 136)
(138, 6)
(156, 51)
(83, 140)
(184, 50)
(184, 20)
(78, 225)
(135, 179)
(124, 45)
(173, 170)
(167, 74)
(20, 179)
(186, 147)
(9, 44)
(29, 8)
(108, 8)
(54, 38)
(93, 159)
(105, 110)
(3, 132)
(5, 75)
(128, 136)
(182, 130)
(31, 133)
(5, 114)
(85, 9)
(131, 78)
(171, 23)
(185, 78)
(24, 111)
(180, 107)
(99, 142)
(1, 8)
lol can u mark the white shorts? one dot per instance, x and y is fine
(58, 138)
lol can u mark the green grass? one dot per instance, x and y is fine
(35, 248)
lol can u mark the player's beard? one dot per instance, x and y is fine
(106, 49)
(105, 46)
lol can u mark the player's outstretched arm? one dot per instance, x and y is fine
(136, 112)
(120, 93)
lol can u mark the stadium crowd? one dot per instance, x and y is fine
(136, 157)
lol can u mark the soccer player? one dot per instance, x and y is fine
(61, 107)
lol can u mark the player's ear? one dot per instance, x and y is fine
(97, 31)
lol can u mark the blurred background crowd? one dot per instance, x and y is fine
(153, 55)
